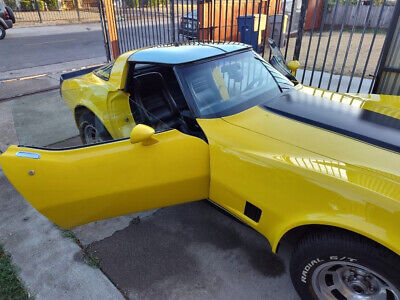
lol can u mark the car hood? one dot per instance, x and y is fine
(363, 131)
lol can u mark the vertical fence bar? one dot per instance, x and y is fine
(348, 45)
(385, 50)
(372, 45)
(322, 25)
(153, 22)
(193, 22)
(300, 30)
(168, 20)
(112, 29)
(146, 25)
(266, 28)
(252, 25)
(134, 27)
(198, 21)
(232, 18)
(359, 47)
(290, 27)
(104, 29)
(120, 26)
(338, 44)
(273, 26)
(140, 25)
(238, 30)
(212, 13)
(282, 22)
(177, 18)
(162, 25)
(226, 18)
(77, 10)
(329, 42)
(38, 11)
(258, 50)
(310, 39)
(187, 20)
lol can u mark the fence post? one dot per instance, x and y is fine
(172, 17)
(112, 28)
(300, 29)
(38, 10)
(77, 10)
(387, 56)
(104, 29)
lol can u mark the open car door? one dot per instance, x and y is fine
(76, 186)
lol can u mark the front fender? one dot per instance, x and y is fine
(378, 224)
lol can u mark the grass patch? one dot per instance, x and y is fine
(10, 285)
(88, 258)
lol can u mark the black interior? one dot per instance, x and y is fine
(157, 100)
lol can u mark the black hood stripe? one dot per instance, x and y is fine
(361, 124)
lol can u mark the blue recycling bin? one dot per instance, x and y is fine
(246, 30)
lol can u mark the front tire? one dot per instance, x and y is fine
(2, 32)
(341, 265)
(91, 130)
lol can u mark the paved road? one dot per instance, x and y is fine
(39, 46)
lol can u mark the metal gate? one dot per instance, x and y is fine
(338, 42)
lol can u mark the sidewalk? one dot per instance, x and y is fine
(39, 30)
(48, 263)
(17, 83)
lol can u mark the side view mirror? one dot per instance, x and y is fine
(293, 66)
(142, 133)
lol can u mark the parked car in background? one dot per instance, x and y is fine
(189, 25)
(7, 19)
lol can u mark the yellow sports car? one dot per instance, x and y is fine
(316, 170)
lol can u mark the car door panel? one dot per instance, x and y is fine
(120, 114)
(76, 186)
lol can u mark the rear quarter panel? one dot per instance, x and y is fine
(93, 93)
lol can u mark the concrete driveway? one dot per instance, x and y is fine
(192, 251)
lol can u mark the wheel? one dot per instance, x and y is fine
(2, 32)
(340, 265)
(91, 130)
(10, 13)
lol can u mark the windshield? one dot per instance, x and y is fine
(231, 84)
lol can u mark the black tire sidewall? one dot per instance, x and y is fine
(305, 260)
(2, 32)
(11, 13)
(88, 118)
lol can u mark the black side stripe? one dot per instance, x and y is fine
(364, 125)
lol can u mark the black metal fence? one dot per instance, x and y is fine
(338, 42)
(54, 11)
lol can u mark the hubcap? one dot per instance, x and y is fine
(344, 280)
(91, 134)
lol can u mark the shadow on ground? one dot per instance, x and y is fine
(192, 251)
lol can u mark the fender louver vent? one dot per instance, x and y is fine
(252, 211)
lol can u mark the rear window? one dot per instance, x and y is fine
(104, 72)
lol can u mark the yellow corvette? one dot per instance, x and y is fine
(309, 168)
